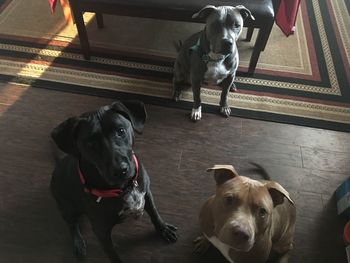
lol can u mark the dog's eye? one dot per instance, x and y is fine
(262, 212)
(229, 200)
(237, 25)
(120, 132)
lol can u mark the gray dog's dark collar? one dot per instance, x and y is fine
(199, 50)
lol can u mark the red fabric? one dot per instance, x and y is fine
(52, 5)
(111, 192)
(286, 15)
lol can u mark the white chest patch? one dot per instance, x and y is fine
(133, 205)
(216, 72)
(222, 247)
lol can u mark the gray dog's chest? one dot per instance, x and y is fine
(216, 72)
(133, 204)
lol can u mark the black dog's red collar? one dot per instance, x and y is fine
(110, 192)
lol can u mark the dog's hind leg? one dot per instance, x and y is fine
(71, 215)
(103, 233)
(78, 241)
(179, 81)
(177, 88)
(233, 87)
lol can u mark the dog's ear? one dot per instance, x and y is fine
(278, 193)
(64, 135)
(204, 12)
(245, 12)
(134, 111)
(223, 173)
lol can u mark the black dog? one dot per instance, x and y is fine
(101, 176)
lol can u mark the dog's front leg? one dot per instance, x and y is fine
(201, 244)
(103, 233)
(284, 258)
(275, 257)
(226, 85)
(167, 231)
(79, 242)
(196, 113)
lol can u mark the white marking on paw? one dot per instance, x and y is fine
(196, 114)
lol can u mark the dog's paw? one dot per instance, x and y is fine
(168, 233)
(79, 247)
(225, 111)
(196, 114)
(201, 244)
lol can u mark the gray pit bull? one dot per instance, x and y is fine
(248, 221)
(211, 56)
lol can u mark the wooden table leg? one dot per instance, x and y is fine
(259, 46)
(99, 19)
(79, 22)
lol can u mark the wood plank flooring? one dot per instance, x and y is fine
(310, 163)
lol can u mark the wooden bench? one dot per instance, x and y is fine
(177, 10)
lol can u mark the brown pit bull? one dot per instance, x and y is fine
(248, 221)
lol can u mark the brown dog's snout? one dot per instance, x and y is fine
(240, 235)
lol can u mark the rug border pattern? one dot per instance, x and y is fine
(36, 69)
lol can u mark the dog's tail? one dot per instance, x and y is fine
(178, 45)
(261, 170)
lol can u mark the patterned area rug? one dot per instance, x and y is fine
(303, 79)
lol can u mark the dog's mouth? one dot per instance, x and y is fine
(116, 177)
(242, 247)
(123, 177)
(237, 238)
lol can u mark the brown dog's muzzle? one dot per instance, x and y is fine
(238, 236)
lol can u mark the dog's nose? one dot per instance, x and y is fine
(227, 44)
(240, 235)
(123, 169)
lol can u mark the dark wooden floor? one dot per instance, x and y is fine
(310, 163)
